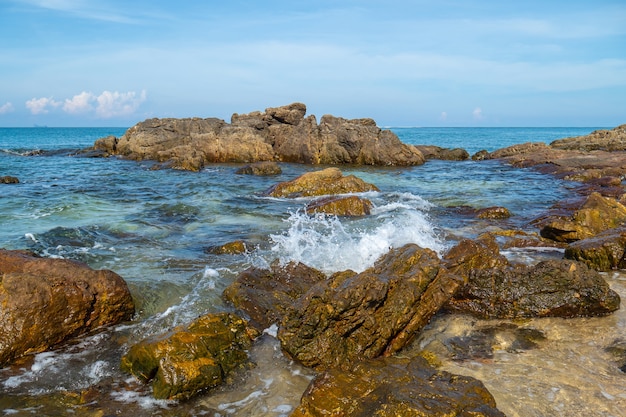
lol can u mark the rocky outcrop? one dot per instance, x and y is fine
(446, 154)
(598, 140)
(602, 252)
(549, 289)
(395, 387)
(44, 302)
(278, 134)
(597, 214)
(191, 359)
(328, 181)
(351, 317)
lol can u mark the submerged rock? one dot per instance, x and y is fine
(8, 179)
(352, 317)
(395, 387)
(263, 168)
(278, 134)
(44, 302)
(325, 182)
(191, 359)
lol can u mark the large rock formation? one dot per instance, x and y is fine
(44, 302)
(191, 359)
(390, 387)
(278, 134)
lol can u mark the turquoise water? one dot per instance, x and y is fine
(156, 228)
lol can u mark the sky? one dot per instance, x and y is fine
(400, 62)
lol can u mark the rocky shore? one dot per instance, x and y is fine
(352, 328)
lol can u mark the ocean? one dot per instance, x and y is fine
(156, 229)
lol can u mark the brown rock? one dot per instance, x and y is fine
(493, 213)
(594, 216)
(325, 182)
(230, 248)
(263, 168)
(602, 252)
(265, 295)
(350, 206)
(44, 302)
(278, 134)
(191, 359)
(549, 289)
(352, 317)
(391, 387)
(7, 179)
(605, 140)
(446, 154)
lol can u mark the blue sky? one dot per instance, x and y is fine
(403, 63)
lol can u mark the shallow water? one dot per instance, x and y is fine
(156, 228)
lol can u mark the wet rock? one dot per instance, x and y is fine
(44, 302)
(351, 316)
(551, 288)
(470, 255)
(350, 206)
(317, 183)
(264, 168)
(278, 134)
(594, 216)
(447, 154)
(266, 294)
(602, 252)
(618, 350)
(395, 387)
(191, 359)
(493, 213)
(8, 179)
(230, 248)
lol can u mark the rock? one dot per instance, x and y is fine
(265, 294)
(493, 213)
(350, 206)
(191, 359)
(44, 302)
(278, 134)
(263, 168)
(604, 140)
(602, 252)
(324, 182)
(594, 216)
(230, 248)
(352, 317)
(470, 255)
(395, 387)
(7, 179)
(551, 288)
(436, 152)
(617, 349)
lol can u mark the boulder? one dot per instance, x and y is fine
(347, 206)
(446, 154)
(191, 359)
(602, 252)
(493, 213)
(604, 140)
(325, 182)
(8, 179)
(264, 168)
(266, 294)
(551, 288)
(351, 317)
(44, 302)
(594, 216)
(230, 248)
(278, 134)
(390, 387)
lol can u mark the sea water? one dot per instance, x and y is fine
(156, 229)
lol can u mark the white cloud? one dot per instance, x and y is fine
(111, 104)
(478, 113)
(80, 103)
(41, 105)
(444, 116)
(6, 108)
